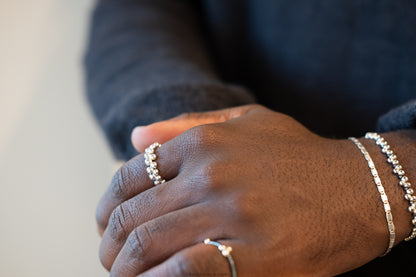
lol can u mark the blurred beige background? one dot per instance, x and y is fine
(54, 162)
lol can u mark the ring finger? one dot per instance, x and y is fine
(199, 260)
(155, 240)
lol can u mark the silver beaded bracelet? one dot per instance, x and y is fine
(383, 196)
(404, 181)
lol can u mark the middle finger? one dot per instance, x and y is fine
(132, 179)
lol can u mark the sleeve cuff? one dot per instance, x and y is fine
(403, 117)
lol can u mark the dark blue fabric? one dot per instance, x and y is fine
(336, 66)
(147, 61)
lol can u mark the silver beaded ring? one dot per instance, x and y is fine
(398, 170)
(150, 160)
(226, 252)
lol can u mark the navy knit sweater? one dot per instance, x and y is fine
(339, 67)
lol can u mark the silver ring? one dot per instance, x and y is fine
(226, 252)
(150, 160)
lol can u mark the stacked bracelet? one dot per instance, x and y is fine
(404, 181)
(383, 196)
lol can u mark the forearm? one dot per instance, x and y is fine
(146, 62)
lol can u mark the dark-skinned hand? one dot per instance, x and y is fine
(289, 202)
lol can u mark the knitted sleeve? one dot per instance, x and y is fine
(146, 61)
(403, 117)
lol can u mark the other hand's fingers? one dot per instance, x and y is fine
(156, 240)
(166, 130)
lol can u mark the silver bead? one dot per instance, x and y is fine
(397, 168)
(404, 184)
(379, 141)
(389, 153)
(371, 135)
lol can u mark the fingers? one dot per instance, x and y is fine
(156, 240)
(155, 202)
(132, 179)
(197, 260)
(189, 149)
(166, 130)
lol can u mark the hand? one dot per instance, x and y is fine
(289, 203)
(164, 131)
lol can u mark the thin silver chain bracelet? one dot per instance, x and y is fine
(383, 195)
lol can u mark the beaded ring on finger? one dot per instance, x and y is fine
(150, 157)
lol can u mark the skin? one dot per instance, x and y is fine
(289, 202)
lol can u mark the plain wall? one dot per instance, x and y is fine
(54, 162)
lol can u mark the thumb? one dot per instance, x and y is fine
(166, 130)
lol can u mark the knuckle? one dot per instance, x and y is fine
(256, 108)
(203, 136)
(140, 242)
(184, 266)
(117, 224)
(120, 182)
(208, 177)
(243, 207)
(186, 115)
